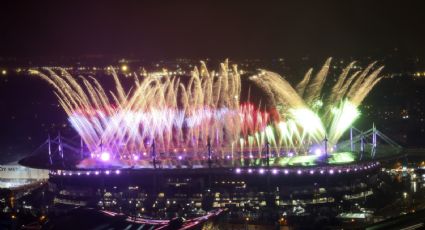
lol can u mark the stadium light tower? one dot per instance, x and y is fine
(267, 153)
(326, 147)
(153, 154)
(50, 149)
(209, 152)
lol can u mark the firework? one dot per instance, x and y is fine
(320, 113)
(181, 116)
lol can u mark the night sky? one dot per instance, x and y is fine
(198, 29)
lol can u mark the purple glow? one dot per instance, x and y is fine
(117, 171)
(107, 172)
(286, 171)
(274, 171)
(105, 156)
(261, 171)
(321, 171)
(238, 170)
(180, 157)
(290, 154)
(331, 171)
(318, 152)
(299, 172)
(135, 157)
(249, 170)
(311, 172)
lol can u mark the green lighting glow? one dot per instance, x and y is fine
(344, 116)
(311, 160)
(342, 158)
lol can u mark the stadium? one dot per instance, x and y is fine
(163, 146)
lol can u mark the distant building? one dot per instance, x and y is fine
(13, 175)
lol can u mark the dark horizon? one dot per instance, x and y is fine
(216, 29)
